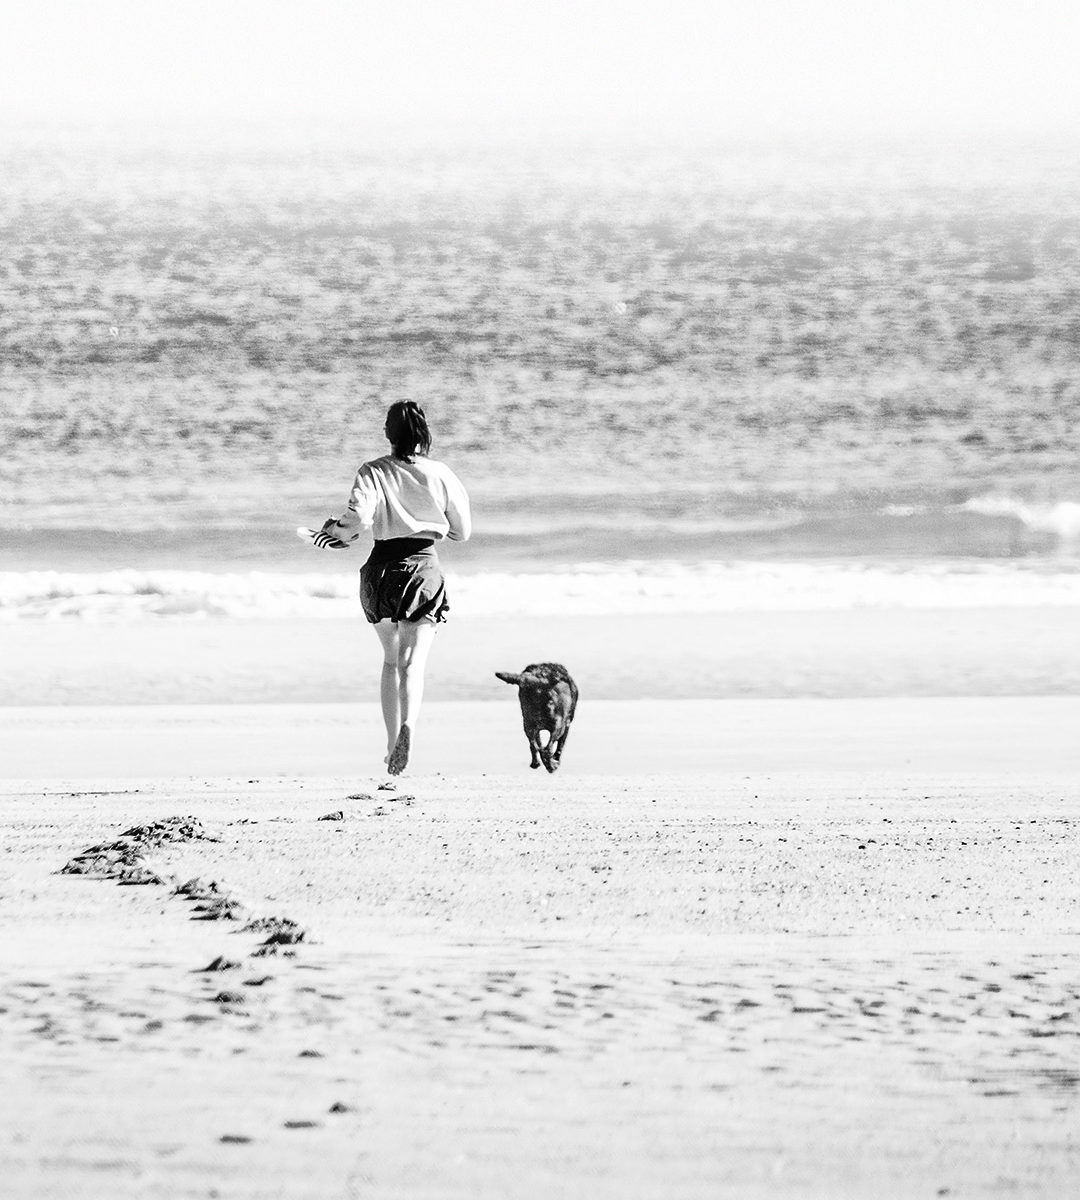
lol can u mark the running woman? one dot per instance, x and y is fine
(409, 502)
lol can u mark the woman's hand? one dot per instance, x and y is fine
(322, 538)
(327, 541)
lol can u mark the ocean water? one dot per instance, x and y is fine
(671, 377)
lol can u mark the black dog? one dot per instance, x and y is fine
(548, 699)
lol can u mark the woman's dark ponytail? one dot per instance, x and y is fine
(407, 430)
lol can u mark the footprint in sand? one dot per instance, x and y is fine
(270, 925)
(103, 862)
(222, 909)
(285, 937)
(171, 829)
(199, 889)
(138, 877)
(221, 963)
(228, 998)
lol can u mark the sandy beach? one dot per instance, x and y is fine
(772, 439)
(736, 948)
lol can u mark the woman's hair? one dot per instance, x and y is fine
(407, 429)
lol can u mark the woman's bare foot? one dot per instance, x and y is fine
(399, 756)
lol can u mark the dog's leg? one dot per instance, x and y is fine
(546, 739)
(557, 756)
(535, 751)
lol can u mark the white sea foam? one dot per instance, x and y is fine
(1062, 518)
(585, 589)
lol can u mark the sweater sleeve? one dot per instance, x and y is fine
(359, 514)
(458, 511)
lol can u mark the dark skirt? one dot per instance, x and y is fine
(402, 581)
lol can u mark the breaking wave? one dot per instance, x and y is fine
(1060, 519)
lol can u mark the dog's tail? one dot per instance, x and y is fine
(508, 677)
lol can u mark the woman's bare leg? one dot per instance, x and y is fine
(415, 639)
(390, 684)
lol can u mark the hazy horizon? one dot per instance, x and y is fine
(478, 71)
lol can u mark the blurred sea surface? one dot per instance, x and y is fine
(655, 368)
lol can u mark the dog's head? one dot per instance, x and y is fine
(541, 696)
(525, 681)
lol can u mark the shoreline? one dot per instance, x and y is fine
(905, 523)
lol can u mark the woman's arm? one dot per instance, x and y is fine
(359, 513)
(458, 511)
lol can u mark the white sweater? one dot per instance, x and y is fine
(398, 499)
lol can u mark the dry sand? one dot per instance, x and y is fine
(832, 951)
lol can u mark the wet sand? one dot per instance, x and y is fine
(855, 652)
(810, 964)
